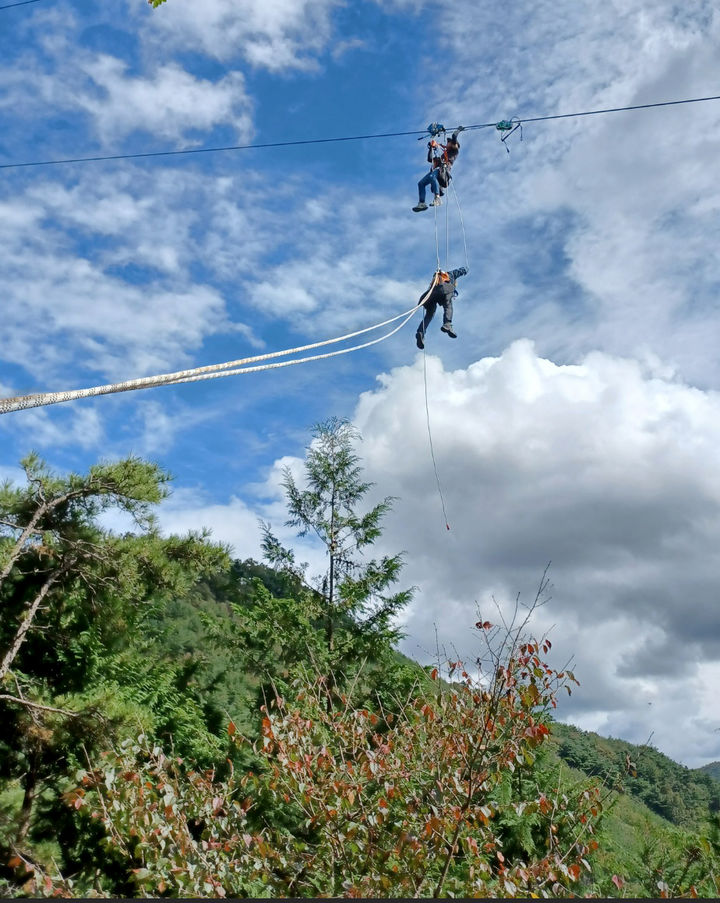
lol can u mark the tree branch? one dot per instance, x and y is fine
(36, 705)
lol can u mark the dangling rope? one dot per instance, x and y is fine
(462, 226)
(427, 406)
(432, 450)
(447, 233)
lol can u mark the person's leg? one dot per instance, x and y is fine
(422, 185)
(430, 306)
(447, 318)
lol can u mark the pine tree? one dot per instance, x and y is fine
(358, 607)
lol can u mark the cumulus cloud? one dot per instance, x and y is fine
(603, 467)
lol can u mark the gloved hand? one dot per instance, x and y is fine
(460, 128)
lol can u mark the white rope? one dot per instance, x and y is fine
(40, 399)
(301, 360)
(437, 243)
(462, 225)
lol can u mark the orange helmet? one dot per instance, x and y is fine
(444, 277)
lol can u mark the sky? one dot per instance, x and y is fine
(576, 418)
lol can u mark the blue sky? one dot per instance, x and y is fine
(575, 419)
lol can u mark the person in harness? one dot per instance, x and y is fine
(442, 294)
(441, 158)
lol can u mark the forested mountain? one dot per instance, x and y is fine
(684, 796)
(713, 769)
(176, 723)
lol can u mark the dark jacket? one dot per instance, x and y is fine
(443, 162)
(445, 291)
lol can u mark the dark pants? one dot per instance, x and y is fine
(431, 306)
(431, 179)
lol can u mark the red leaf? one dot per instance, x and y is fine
(617, 881)
(434, 674)
(232, 729)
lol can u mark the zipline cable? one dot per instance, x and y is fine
(229, 368)
(306, 141)
(20, 3)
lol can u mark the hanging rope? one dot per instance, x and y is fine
(447, 233)
(462, 226)
(432, 450)
(437, 243)
(427, 407)
(229, 368)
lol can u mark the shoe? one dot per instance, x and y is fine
(436, 202)
(420, 206)
(419, 341)
(448, 328)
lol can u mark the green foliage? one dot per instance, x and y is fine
(358, 610)
(379, 805)
(79, 667)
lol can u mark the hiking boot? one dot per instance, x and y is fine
(419, 341)
(436, 201)
(448, 328)
(421, 206)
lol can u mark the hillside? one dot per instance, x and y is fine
(682, 796)
(713, 769)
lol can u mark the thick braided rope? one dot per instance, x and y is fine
(301, 360)
(23, 402)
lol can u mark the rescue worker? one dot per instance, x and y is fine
(443, 293)
(441, 158)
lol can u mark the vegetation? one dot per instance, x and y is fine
(177, 724)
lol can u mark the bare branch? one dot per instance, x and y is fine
(36, 705)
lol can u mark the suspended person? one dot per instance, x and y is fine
(443, 293)
(441, 158)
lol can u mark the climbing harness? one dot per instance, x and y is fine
(508, 126)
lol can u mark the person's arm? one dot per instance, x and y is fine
(460, 271)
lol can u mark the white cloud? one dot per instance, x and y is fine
(97, 274)
(602, 467)
(169, 103)
(165, 101)
(233, 523)
(277, 35)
